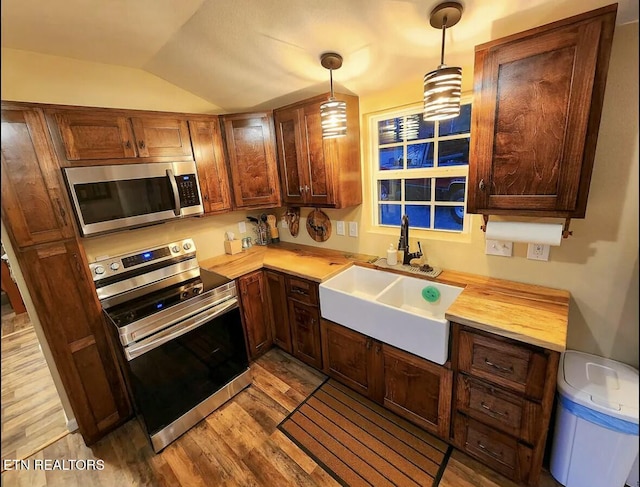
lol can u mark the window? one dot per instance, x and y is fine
(420, 169)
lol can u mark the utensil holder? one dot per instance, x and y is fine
(232, 246)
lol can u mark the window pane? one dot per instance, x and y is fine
(420, 155)
(389, 131)
(449, 218)
(417, 189)
(459, 125)
(389, 190)
(389, 214)
(417, 128)
(450, 189)
(419, 216)
(453, 152)
(391, 158)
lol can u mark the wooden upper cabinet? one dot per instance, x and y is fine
(315, 171)
(113, 135)
(252, 160)
(536, 113)
(208, 148)
(34, 207)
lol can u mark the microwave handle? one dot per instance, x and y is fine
(174, 189)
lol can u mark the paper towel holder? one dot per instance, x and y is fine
(565, 229)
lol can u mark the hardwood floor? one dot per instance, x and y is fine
(32, 415)
(12, 322)
(237, 445)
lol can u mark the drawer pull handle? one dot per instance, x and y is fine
(489, 452)
(297, 290)
(484, 405)
(499, 367)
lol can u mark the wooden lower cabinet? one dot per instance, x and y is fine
(277, 293)
(255, 313)
(410, 386)
(60, 285)
(503, 401)
(305, 331)
(352, 358)
(418, 389)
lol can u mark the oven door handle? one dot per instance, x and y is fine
(136, 349)
(174, 190)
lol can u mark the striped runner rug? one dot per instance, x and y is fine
(359, 443)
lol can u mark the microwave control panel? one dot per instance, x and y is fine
(188, 190)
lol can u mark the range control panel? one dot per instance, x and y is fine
(119, 264)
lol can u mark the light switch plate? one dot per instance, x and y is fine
(538, 251)
(340, 227)
(242, 227)
(353, 229)
(498, 247)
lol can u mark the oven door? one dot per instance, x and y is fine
(108, 198)
(176, 373)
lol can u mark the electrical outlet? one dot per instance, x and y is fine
(538, 251)
(340, 227)
(242, 227)
(283, 222)
(353, 229)
(498, 247)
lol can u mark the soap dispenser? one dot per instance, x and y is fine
(392, 255)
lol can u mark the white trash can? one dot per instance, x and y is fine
(596, 434)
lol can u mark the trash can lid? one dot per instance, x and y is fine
(600, 384)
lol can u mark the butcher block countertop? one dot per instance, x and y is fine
(528, 313)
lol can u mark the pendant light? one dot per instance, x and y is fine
(333, 113)
(442, 87)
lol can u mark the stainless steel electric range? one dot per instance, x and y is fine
(182, 346)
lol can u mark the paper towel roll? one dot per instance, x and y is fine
(540, 233)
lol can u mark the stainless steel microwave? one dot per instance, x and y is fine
(111, 198)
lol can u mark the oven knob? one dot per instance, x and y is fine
(99, 270)
(114, 266)
(175, 249)
(186, 246)
(197, 290)
(185, 294)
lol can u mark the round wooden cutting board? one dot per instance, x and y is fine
(318, 225)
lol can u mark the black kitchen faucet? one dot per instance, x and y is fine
(403, 244)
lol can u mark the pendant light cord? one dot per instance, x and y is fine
(444, 30)
(331, 97)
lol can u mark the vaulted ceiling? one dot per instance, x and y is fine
(258, 54)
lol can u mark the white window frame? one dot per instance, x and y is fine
(402, 174)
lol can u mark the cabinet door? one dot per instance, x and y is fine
(34, 208)
(252, 160)
(212, 170)
(319, 155)
(535, 119)
(353, 359)
(418, 390)
(289, 141)
(305, 330)
(58, 279)
(101, 135)
(277, 292)
(255, 313)
(162, 137)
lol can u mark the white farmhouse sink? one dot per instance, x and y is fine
(392, 309)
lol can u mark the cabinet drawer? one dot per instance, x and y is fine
(302, 291)
(501, 452)
(517, 367)
(498, 408)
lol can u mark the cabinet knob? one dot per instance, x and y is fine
(128, 144)
(306, 188)
(481, 185)
(141, 144)
(63, 213)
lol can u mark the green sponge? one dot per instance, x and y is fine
(431, 294)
